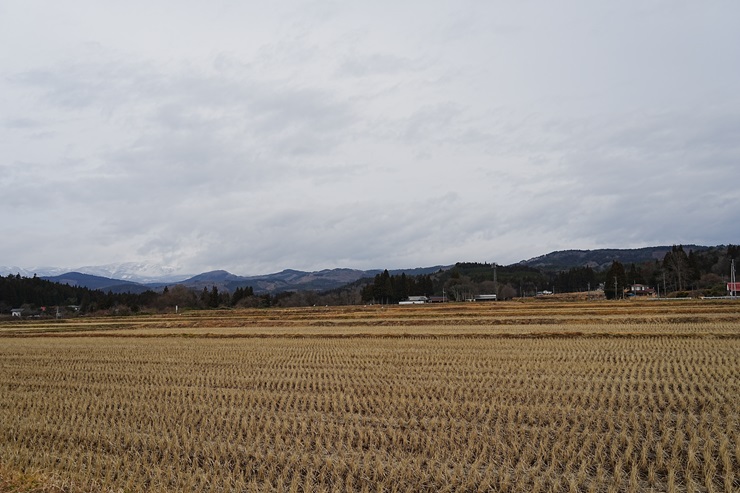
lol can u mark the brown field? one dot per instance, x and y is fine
(538, 396)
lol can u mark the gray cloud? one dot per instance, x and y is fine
(316, 135)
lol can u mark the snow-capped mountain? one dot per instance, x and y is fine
(139, 272)
(6, 270)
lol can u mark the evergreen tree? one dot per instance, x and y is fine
(574, 280)
(615, 278)
(240, 294)
(733, 252)
(635, 276)
(676, 268)
(402, 287)
(213, 298)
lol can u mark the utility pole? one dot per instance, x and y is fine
(615, 288)
(732, 278)
(495, 281)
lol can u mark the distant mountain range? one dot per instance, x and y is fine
(138, 277)
(287, 280)
(98, 282)
(137, 272)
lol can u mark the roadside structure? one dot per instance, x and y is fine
(733, 288)
(484, 297)
(414, 300)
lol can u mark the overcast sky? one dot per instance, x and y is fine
(259, 136)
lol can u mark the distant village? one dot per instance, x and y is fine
(633, 291)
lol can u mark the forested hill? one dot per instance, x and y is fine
(34, 294)
(602, 259)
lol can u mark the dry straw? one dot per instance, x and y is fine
(475, 411)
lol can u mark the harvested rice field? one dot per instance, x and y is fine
(539, 396)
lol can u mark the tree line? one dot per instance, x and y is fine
(387, 288)
(34, 294)
(38, 296)
(677, 274)
(680, 272)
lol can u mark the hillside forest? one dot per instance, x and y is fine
(680, 273)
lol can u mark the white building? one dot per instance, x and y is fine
(485, 297)
(414, 300)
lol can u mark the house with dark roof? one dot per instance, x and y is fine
(640, 290)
